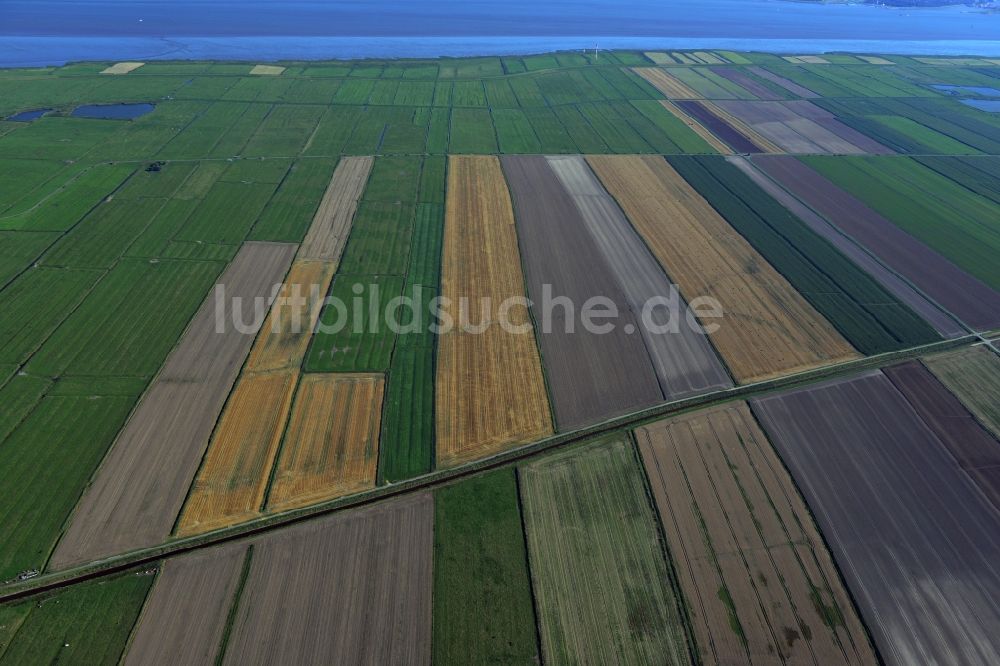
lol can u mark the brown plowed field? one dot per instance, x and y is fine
(768, 328)
(233, 479)
(331, 447)
(353, 588)
(592, 376)
(185, 615)
(751, 564)
(697, 127)
(669, 85)
(489, 392)
(281, 344)
(140, 487)
(332, 223)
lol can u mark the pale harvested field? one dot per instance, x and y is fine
(768, 329)
(352, 588)
(697, 127)
(233, 478)
(659, 57)
(122, 68)
(875, 60)
(185, 614)
(601, 581)
(973, 375)
(749, 558)
(684, 360)
(140, 487)
(489, 392)
(332, 223)
(669, 85)
(267, 70)
(331, 447)
(286, 332)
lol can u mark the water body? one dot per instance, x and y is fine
(26, 116)
(112, 111)
(968, 90)
(991, 105)
(40, 32)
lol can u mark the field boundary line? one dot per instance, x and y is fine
(148, 556)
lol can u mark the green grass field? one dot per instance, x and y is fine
(86, 624)
(483, 611)
(602, 584)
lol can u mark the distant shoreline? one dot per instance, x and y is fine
(55, 51)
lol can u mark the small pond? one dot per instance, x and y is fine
(112, 111)
(25, 116)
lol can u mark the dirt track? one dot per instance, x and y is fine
(350, 589)
(591, 376)
(138, 491)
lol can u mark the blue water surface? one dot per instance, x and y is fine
(112, 111)
(26, 116)
(40, 32)
(991, 105)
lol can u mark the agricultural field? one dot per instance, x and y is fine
(892, 538)
(490, 392)
(705, 256)
(257, 404)
(753, 568)
(974, 376)
(971, 300)
(603, 589)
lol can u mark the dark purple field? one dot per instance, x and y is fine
(960, 293)
(973, 446)
(719, 127)
(916, 541)
(746, 82)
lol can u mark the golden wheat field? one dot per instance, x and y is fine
(232, 481)
(767, 328)
(331, 446)
(285, 335)
(489, 391)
